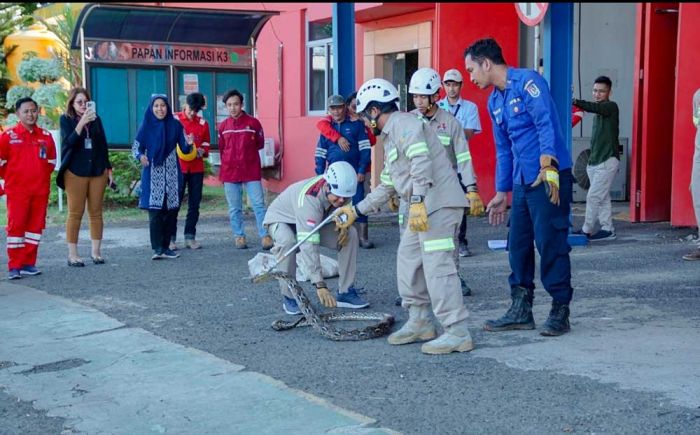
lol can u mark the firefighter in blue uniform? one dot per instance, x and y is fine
(534, 163)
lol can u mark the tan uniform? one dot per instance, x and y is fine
(451, 135)
(414, 164)
(290, 218)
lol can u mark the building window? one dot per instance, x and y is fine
(319, 67)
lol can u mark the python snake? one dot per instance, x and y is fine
(321, 322)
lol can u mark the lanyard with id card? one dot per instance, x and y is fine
(88, 140)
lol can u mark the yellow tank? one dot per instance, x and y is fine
(34, 38)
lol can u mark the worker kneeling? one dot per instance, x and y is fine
(295, 213)
(417, 168)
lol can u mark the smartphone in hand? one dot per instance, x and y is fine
(113, 186)
(90, 105)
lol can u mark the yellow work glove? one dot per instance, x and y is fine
(345, 217)
(324, 295)
(393, 203)
(342, 237)
(476, 205)
(418, 217)
(549, 174)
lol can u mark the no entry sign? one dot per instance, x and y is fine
(531, 13)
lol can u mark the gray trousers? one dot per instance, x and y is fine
(695, 185)
(425, 267)
(285, 237)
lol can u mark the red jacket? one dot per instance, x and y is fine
(26, 160)
(199, 128)
(240, 140)
(327, 131)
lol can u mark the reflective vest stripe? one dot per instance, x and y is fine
(446, 244)
(445, 140)
(416, 149)
(315, 239)
(464, 157)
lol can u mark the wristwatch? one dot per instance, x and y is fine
(320, 284)
(415, 199)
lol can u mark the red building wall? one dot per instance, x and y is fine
(687, 82)
(457, 26)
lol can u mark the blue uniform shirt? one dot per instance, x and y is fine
(466, 112)
(360, 153)
(525, 126)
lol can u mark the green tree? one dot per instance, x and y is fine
(63, 26)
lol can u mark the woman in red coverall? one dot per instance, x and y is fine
(27, 157)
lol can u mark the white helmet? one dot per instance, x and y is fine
(342, 179)
(425, 81)
(378, 90)
(452, 75)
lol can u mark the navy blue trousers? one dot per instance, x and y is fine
(533, 217)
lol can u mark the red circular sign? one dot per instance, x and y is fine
(531, 13)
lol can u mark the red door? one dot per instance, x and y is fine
(652, 123)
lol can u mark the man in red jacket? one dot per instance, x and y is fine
(27, 157)
(240, 139)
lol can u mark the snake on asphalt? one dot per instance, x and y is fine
(321, 323)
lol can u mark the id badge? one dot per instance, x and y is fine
(88, 143)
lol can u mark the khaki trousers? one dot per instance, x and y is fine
(284, 237)
(598, 203)
(78, 191)
(425, 267)
(695, 185)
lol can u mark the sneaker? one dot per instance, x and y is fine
(398, 301)
(267, 243)
(350, 299)
(168, 253)
(192, 244)
(602, 235)
(173, 246)
(464, 250)
(466, 290)
(29, 270)
(290, 306)
(240, 243)
(14, 274)
(157, 255)
(692, 256)
(581, 233)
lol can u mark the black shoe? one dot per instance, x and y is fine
(75, 263)
(464, 249)
(519, 315)
(398, 301)
(466, 290)
(558, 321)
(366, 244)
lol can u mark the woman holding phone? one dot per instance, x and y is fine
(84, 173)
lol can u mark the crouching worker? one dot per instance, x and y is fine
(295, 213)
(417, 168)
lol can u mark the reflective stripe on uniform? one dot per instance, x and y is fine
(445, 140)
(416, 149)
(446, 244)
(696, 120)
(320, 152)
(400, 219)
(52, 161)
(393, 155)
(306, 187)
(15, 242)
(385, 177)
(315, 239)
(32, 238)
(464, 157)
(364, 144)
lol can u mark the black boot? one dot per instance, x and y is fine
(519, 315)
(364, 237)
(466, 290)
(558, 321)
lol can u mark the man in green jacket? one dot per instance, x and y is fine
(604, 160)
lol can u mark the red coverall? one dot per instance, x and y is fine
(26, 161)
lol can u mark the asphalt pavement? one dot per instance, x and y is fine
(185, 345)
